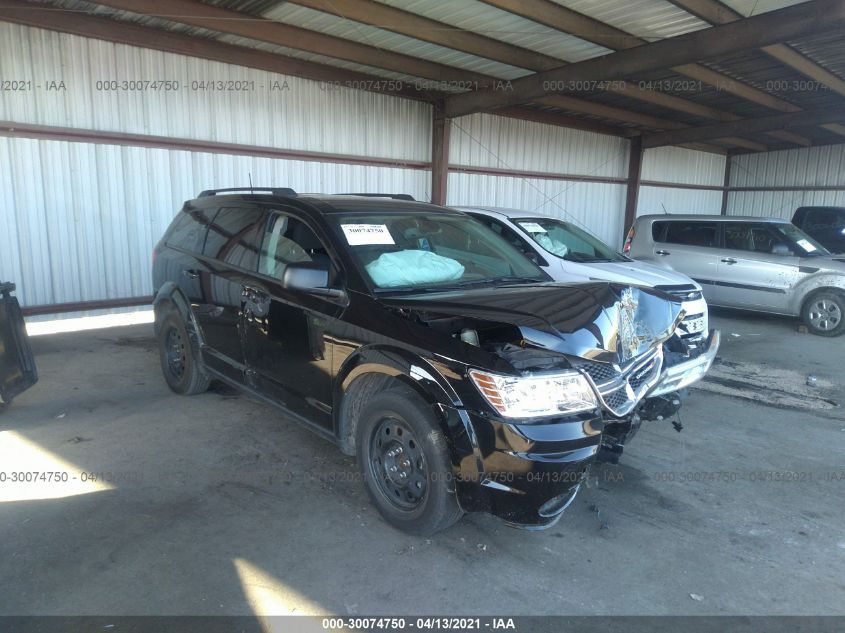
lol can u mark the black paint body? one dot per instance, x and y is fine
(303, 350)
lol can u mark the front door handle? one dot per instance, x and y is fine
(662, 253)
(256, 303)
(729, 260)
(191, 274)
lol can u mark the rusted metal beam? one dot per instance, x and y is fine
(440, 129)
(756, 32)
(77, 23)
(562, 18)
(750, 126)
(196, 13)
(632, 193)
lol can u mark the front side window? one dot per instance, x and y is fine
(406, 250)
(690, 233)
(567, 241)
(288, 240)
(798, 241)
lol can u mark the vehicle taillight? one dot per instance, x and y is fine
(627, 247)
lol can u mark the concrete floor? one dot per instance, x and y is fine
(218, 505)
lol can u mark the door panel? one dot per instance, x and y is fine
(232, 253)
(691, 248)
(287, 347)
(750, 275)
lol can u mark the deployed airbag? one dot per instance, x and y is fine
(411, 268)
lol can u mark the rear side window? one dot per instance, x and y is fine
(688, 233)
(232, 236)
(187, 231)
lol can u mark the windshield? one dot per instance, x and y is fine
(421, 251)
(802, 244)
(567, 241)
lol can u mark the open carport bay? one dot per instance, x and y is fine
(216, 504)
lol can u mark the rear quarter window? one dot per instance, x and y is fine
(232, 236)
(689, 233)
(188, 229)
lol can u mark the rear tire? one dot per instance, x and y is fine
(179, 363)
(405, 462)
(824, 313)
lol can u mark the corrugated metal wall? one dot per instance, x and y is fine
(84, 218)
(301, 114)
(804, 167)
(483, 140)
(593, 206)
(682, 166)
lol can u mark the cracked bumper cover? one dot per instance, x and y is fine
(685, 373)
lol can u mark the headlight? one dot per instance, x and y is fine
(534, 396)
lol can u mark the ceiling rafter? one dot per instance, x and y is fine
(195, 13)
(412, 25)
(760, 124)
(107, 29)
(589, 29)
(774, 27)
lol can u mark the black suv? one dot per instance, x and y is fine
(418, 340)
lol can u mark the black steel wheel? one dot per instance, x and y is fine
(179, 358)
(404, 458)
(397, 464)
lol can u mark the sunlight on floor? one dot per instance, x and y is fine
(268, 596)
(29, 472)
(56, 326)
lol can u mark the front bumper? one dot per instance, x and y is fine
(527, 474)
(678, 375)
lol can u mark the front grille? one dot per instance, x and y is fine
(621, 388)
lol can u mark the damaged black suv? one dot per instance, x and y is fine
(418, 340)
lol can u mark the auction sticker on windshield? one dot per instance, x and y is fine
(532, 227)
(806, 245)
(366, 234)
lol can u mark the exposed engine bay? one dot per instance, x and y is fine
(624, 349)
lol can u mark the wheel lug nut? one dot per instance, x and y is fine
(393, 469)
(403, 475)
(406, 463)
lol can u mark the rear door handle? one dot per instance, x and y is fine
(729, 260)
(191, 274)
(662, 253)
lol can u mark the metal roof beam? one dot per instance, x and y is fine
(747, 126)
(196, 13)
(592, 30)
(755, 32)
(76, 23)
(715, 12)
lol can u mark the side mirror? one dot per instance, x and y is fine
(305, 276)
(781, 249)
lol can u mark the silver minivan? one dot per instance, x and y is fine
(752, 263)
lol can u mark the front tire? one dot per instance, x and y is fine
(179, 358)
(824, 313)
(403, 456)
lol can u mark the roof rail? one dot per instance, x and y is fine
(395, 196)
(286, 192)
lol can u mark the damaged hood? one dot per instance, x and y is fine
(599, 321)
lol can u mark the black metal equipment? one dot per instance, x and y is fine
(17, 365)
